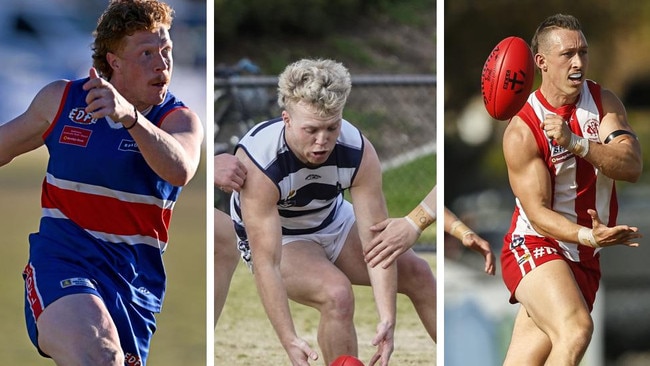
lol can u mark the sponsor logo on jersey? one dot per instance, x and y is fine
(524, 258)
(75, 136)
(77, 281)
(79, 115)
(312, 177)
(128, 145)
(132, 360)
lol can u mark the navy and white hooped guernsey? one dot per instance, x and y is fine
(309, 196)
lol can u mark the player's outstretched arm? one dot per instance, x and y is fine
(455, 227)
(369, 209)
(259, 198)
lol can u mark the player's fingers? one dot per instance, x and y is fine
(391, 259)
(376, 357)
(376, 256)
(93, 73)
(308, 351)
(380, 226)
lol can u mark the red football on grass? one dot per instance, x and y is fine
(346, 360)
(507, 78)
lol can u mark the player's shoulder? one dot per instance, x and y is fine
(55, 88)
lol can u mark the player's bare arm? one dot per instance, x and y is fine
(618, 156)
(25, 132)
(259, 198)
(531, 184)
(455, 227)
(370, 208)
(172, 150)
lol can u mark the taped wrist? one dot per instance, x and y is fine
(578, 145)
(421, 217)
(459, 230)
(586, 237)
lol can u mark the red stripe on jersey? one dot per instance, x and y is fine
(58, 113)
(33, 297)
(107, 214)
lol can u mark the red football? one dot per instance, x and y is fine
(346, 360)
(507, 78)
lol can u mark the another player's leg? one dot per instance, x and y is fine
(226, 257)
(78, 330)
(416, 281)
(311, 279)
(555, 304)
(415, 278)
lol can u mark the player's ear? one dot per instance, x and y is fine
(286, 118)
(113, 60)
(540, 61)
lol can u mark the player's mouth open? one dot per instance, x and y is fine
(577, 76)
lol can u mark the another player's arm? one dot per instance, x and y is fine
(531, 184)
(370, 208)
(25, 132)
(259, 198)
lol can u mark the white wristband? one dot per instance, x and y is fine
(586, 237)
(415, 226)
(578, 145)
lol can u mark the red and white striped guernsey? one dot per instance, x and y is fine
(576, 184)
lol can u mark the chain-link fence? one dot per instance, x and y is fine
(396, 112)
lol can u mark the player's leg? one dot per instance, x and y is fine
(78, 330)
(528, 344)
(415, 278)
(555, 305)
(311, 279)
(417, 282)
(226, 257)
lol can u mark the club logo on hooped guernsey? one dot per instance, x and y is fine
(79, 115)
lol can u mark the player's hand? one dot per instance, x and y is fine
(384, 342)
(300, 353)
(557, 129)
(474, 242)
(616, 235)
(104, 100)
(229, 173)
(393, 237)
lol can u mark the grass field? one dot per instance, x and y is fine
(245, 337)
(181, 335)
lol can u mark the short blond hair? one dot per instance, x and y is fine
(321, 84)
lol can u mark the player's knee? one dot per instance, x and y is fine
(339, 301)
(578, 331)
(415, 274)
(105, 352)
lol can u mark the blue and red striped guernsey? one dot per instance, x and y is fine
(101, 200)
